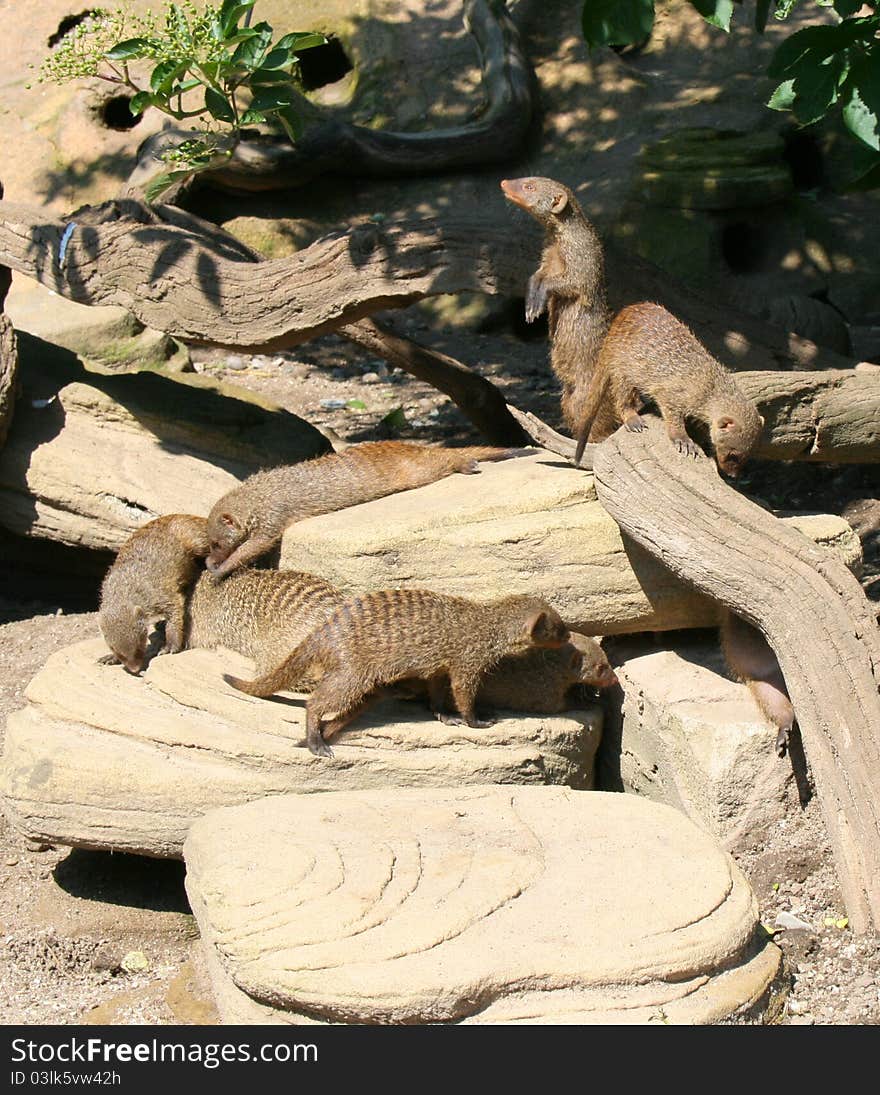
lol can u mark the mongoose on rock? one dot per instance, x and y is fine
(569, 284)
(148, 581)
(752, 661)
(262, 614)
(539, 680)
(648, 356)
(390, 635)
(248, 521)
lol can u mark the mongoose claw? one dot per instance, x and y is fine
(782, 741)
(108, 659)
(320, 748)
(636, 424)
(687, 448)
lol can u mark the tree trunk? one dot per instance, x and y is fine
(811, 610)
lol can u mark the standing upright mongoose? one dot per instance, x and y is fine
(262, 614)
(248, 521)
(752, 661)
(148, 581)
(391, 635)
(651, 357)
(569, 284)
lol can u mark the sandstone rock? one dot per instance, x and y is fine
(90, 458)
(103, 759)
(690, 737)
(477, 905)
(530, 525)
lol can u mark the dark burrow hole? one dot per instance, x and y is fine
(323, 65)
(804, 157)
(743, 247)
(115, 114)
(66, 26)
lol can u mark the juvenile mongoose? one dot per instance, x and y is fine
(569, 284)
(379, 638)
(148, 581)
(248, 521)
(262, 614)
(539, 680)
(648, 356)
(752, 661)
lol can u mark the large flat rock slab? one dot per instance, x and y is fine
(102, 759)
(689, 736)
(530, 525)
(478, 905)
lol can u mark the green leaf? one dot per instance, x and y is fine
(276, 97)
(292, 123)
(811, 42)
(277, 58)
(617, 22)
(816, 90)
(762, 13)
(252, 117)
(861, 111)
(783, 97)
(356, 404)
(231, 11)
(164, 74)
(845, 8)
(137, 104)
(131, 47)
(269, 76)
(250, 52)
(717, 12)
(395, 420)
(299, 41)
(157, 186)
(218, 106)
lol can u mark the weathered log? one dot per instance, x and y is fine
(829, 415)
(812, 611)
(329, 144)
(202, 290)
(476, 397)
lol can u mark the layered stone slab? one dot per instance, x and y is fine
(530, 525)
(102, 759)
(475, 905)
(689, 736)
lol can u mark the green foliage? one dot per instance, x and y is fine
(820, 68)
(193, 63)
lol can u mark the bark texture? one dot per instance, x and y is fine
(812, 611)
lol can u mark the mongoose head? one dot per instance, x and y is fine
(589, 663)
(225, 534)
(734, 435)
(544, 627)
(126, 631)
(545, 199)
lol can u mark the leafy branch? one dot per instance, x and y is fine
(191, 64)
(820, 68)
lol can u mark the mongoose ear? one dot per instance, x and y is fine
(542, 626)
(761, 419)
(230, 522)
(726, 422)
(560, 201)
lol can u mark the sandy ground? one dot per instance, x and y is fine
(97, 937)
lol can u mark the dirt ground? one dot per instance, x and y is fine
(97, 937)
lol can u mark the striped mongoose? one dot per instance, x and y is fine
(391, 635)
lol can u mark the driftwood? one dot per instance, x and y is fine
(812, 611)
(831, 415)
(477, 397)
(329, 144)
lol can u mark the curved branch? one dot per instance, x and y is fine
(811, 610)
(328, 144)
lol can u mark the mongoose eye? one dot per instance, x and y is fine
(528, 186)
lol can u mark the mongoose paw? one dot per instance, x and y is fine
(782, 742)
(480, 724)
(449, 720)
(687, 447)
(636, 424)
(320, 748)
(109, 659)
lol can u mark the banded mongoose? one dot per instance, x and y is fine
(651, 357)
(569, 284)
(539, 680)
(262, 614)
(248, 521)
(148, 581)
(390, 635)
(751, 661)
